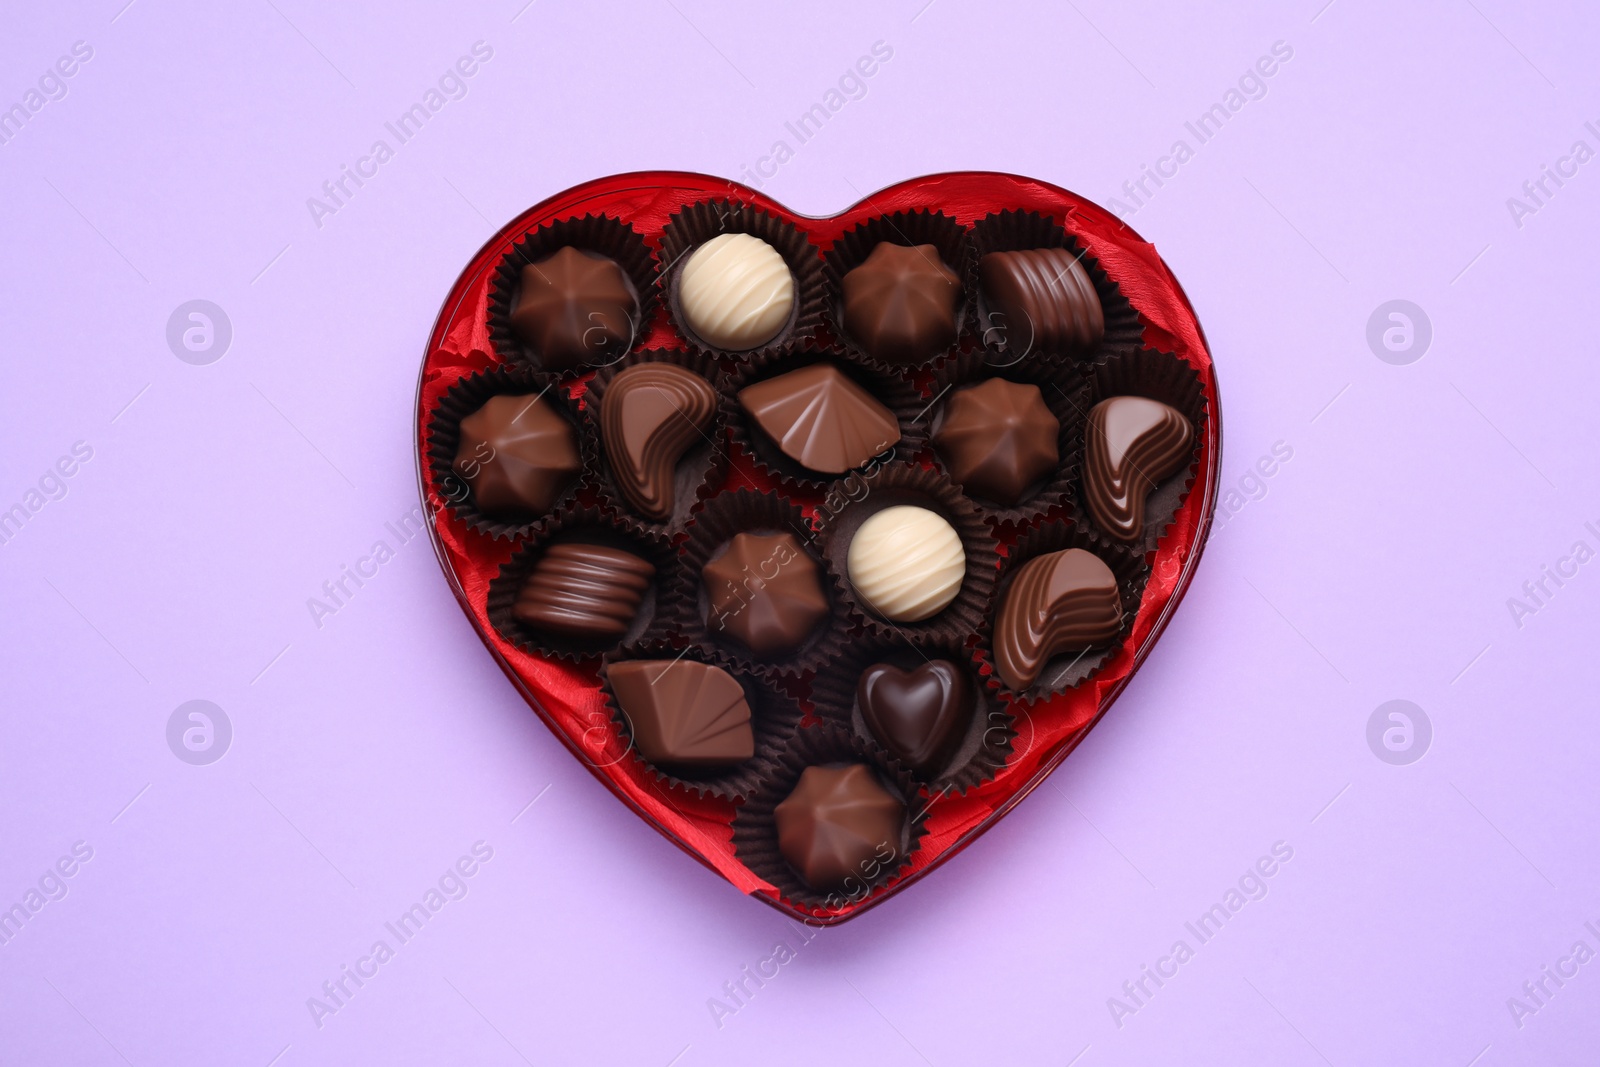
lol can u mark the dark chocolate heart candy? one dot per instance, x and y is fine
(919, 715)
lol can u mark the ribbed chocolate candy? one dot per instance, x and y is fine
(1131, 445)
(1059, 602)
(651, 414)
(591, 591)
(1044, 300)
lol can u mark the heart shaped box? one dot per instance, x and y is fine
(567, 695)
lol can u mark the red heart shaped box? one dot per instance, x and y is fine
(568, 698)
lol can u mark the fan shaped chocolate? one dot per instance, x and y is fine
(919, 715)
(900, 303)
(766, 592)
(651, 414)
(518, 455)
(839, 826)
(591, 591)
(1058, 602)
(1132, 444)
(997, 439)
(821, 418)
(573, 308)
(684, 713)
(1040, 300)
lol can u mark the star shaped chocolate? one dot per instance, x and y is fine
(997, 439)
(900, 303)
(518, 455)
(766, 592)
(574, 308)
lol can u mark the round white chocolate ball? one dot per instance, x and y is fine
(736, 292)
(906, 563)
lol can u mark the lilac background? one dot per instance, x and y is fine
(370, 753)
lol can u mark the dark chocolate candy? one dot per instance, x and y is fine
(650, 415)
(766, 592)
(684, 713)
(840, 826)
(900, 303)
(1058, 602)
(998, 438)
(919, 715)
(574, 308)
(820, 418)
(1041, 300)
(591, 591)
(1131, 445)
(518, 455)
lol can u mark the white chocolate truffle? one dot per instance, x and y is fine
(907, 563)
(736, 292)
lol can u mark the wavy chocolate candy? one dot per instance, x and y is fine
(684, 713)
(900, 303)
(998, 438)
(518, 454)
(1059, 602)
(1131, 445)
(766, 592)
(573, 307)
(840, 826)
(1044, 300)
(649, 417)
(919, 715)
(820, 418)
(591, 591)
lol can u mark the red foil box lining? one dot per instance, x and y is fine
(568, 697)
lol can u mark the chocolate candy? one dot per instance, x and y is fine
(906, 563)
(840, 826)
(1058, 602)
(518, 455)
(684, 713)
(574, 308)
(1041, 301)
(900, 303)
(1132, 444)
(919, 715)
(650, 415)
(766, 592)
(820, 418)
(736, 292)
(997, 439)
(591, 591)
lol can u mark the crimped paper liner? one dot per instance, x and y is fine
(905, 483)
(908, 228)
(698, 223)
(755, 830)
(444, 436)
(1057, 677)
(1064, 393)
(1159, 376)
(774, 716)
(1017, 231)
(712, 528)
(700, 470)
(589, 525)
(987, 742)
(602, 234)
(891, 388)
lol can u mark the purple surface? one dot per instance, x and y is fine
(371, 752)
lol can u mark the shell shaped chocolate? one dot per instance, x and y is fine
(1058, 602)
(684, 713)
(1131, 445)
(651, 414)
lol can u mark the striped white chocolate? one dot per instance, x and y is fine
(736, 292)
(906, 563)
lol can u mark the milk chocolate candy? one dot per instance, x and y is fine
(574, 308)
(766, 592)
(1131, 445)
(683, 713)
(650, 415)
(518, 455)
(1059, 602)
(1042, 301)
(900, 303)
(821, 418)
(591, 591)
(840, 826)
(998, 439)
